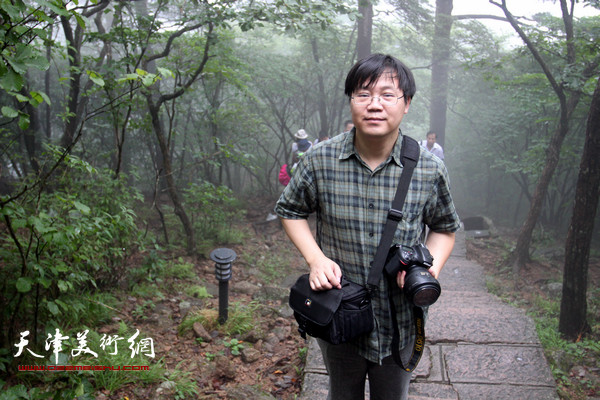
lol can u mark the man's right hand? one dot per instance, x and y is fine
(325, 274)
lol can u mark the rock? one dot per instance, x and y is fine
(184, 307)
(252, 336)
(168, 385)
(250, 355)
(245, 287)
(272, 339)
(165, 390)
(282, 332)
(224, 368)
(286, 311)
(247, 392)
(201, 333)
(268, 347)
(273, 293)
(285, 383)
(578, 371)
(554, 289)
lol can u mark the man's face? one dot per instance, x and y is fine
(376, 119)
(431, 140)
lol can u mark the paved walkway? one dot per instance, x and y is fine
(477, 346)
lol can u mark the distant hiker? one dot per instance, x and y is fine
(298, 136)
(287, 170)
(430, 144)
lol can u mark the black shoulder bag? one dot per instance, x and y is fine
(338, 316)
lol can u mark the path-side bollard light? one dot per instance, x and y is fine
(223, 258)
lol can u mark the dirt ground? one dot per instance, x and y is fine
(271, 356)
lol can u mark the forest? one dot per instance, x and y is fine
(136, 134)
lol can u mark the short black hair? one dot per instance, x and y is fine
(366, 72)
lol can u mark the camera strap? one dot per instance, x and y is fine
(419, 345)
(409, 156)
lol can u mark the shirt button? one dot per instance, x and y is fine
(371, 206)
(371, 234)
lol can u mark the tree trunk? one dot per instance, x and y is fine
(73, 48)
(573, 306)
(168, 175)
(520, 255)
(47, 77)
(324, 123)
(440, 64)
(365, 29)
(30, 136)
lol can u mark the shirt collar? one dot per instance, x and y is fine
(348, 148)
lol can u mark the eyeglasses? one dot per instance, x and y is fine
(387, 99)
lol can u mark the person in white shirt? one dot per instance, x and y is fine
(431, 146)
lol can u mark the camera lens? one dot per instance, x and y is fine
(421, 288)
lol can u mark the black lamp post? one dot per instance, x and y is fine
(223, 258)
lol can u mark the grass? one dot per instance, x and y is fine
(271, 264)
(180, 270)
(81, 384)
(241, 319)
(199, 292)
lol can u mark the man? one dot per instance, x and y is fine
(299, 136)
(431, 146)
(350, 182)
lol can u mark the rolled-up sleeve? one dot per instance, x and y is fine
(440, 213)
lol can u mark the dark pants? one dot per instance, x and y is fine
(348, 370)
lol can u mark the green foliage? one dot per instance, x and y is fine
(241, 319)
(82, 384)
(88, 309)
(147, 290)
(150, 270)
(562, 354)
(185, 386)
(213, 210)
(234, 345)
(62, 245)
(22, 392)
(196, 291)
(180, 270)
(22, 28)
(108, 379)
(140, 310)
(271, 264)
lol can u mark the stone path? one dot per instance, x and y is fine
(477, 346)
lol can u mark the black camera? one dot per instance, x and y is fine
(420, 287)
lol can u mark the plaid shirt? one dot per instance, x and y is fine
(351, 203)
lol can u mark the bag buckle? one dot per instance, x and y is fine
(372, 290)
(395, 215)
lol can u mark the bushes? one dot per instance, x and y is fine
(66, 245)
(61, 240)
(212, 210)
